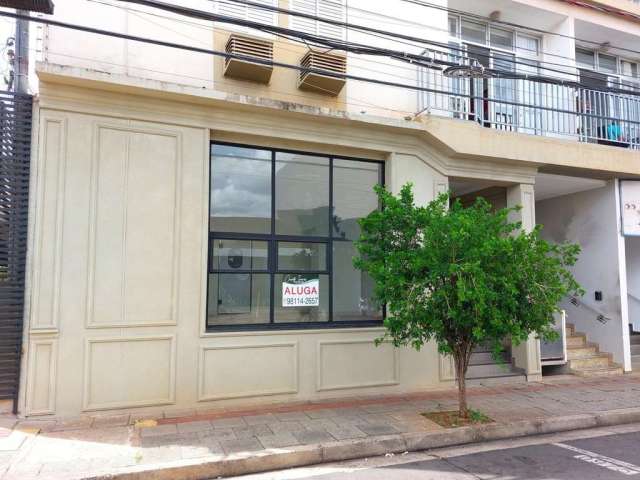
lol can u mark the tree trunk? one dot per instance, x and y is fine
(461, 358)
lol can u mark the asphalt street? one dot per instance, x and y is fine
(612, 453)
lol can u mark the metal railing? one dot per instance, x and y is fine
(600, 316)
(533, 107)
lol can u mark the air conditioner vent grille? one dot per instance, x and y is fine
(331, 82)
(251, 49)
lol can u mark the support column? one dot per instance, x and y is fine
(527, 354)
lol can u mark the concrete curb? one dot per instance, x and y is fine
(276, 459)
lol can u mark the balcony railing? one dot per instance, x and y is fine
(533, 107)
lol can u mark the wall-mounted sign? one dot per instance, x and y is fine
(630, 207)
(305, 293)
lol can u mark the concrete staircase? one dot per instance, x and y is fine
(635, 351)
(485, 370)
(585, 358)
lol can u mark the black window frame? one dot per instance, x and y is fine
(272, 239)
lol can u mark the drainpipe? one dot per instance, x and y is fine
(22, 54)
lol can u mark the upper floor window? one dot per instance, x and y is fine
(619, 72)
(479, 33)
(330, 9)
(247, 12)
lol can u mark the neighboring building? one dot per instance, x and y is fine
(173, 202)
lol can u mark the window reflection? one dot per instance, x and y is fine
(240, 190)
(302, 195)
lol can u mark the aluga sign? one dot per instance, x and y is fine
(306, 293)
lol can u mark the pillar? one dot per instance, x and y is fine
(527, 354)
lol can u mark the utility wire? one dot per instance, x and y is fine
(414, 59)
(527, 62)
(514, 25)
(279, 64)
(446, 46)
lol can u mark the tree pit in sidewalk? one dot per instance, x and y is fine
(452, 419)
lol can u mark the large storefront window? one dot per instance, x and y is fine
(281, 232)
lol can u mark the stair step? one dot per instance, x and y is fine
(595, 360)
(499, 380)
(598, 360)
(635, 339)
(581, 350)
(598, 372)
(635, 363)
(491, 370)
(483, 358)
(576, 340)
(635, 349)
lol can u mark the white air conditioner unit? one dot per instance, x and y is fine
(331, 63)
(246, 68)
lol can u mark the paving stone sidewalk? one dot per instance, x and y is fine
(87, 446)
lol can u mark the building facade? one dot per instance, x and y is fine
(193, 212)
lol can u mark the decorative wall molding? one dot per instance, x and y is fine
(41, 376)
(122, 321)
(261, 370)
(323, 345)
(446, 368)
(50, 192)
(124, 376)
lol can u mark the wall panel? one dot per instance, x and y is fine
(356, 364)
(236, 371)
(129, 372)
(41, 388)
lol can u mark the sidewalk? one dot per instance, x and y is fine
(211, 443)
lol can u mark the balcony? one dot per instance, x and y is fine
(532, 107)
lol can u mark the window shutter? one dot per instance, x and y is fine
(331, 10)
(231, 9)
(245, 12)
(305, 25)
(260, 15)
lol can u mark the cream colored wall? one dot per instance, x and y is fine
(118, 277)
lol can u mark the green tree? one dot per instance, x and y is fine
(461, 276)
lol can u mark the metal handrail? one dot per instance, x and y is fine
(534, 107)
(601, 317)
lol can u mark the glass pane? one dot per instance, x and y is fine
(629, 69)
(301, 298)
(504, 62)
(473, 32)
(302, 194)
(238, 298)
(239, 254)
(453, 26)
(352, 288)
(302, 256)
(240, 189)
(353, 195)
(527, 45)
(585, 58)
(501, 38)
(607, 63)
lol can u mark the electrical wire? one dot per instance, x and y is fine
(512, 24)
(273, 63)
(359, 102)
(528, 63)
(414, 59)
(447, 46)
